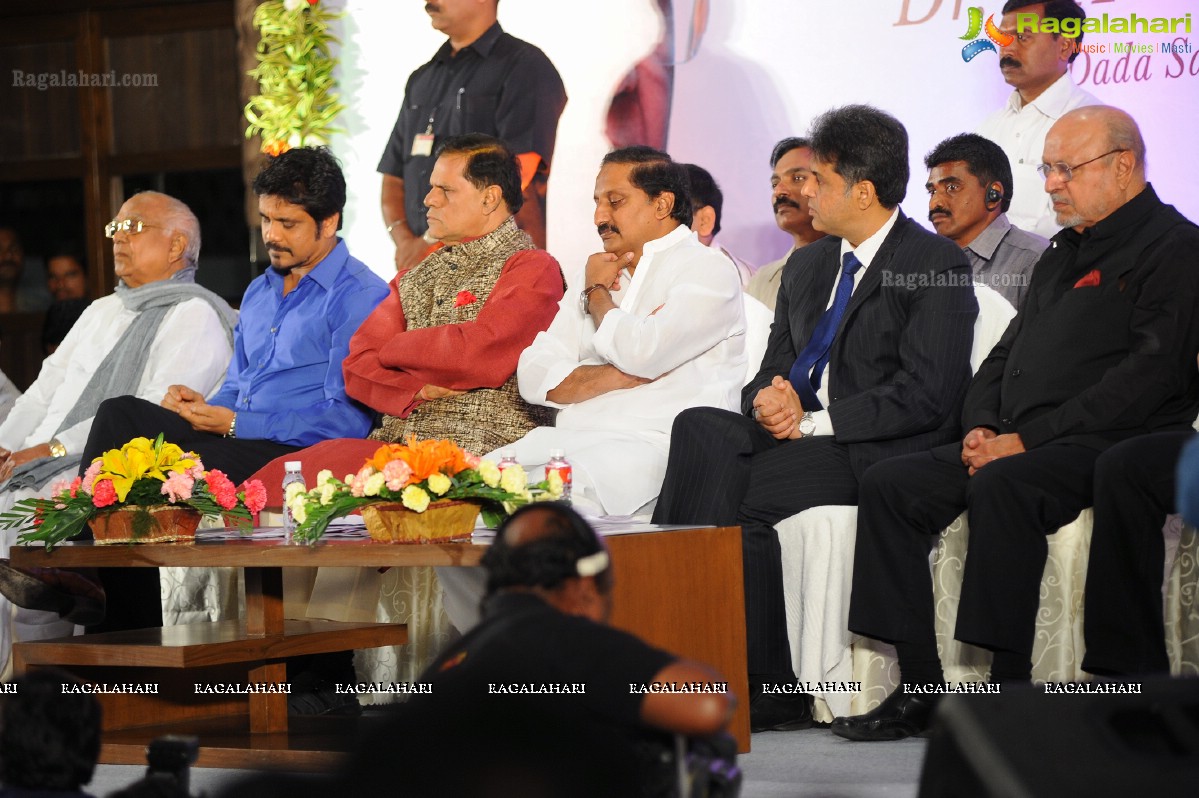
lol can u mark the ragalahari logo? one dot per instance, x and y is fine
(974, 26)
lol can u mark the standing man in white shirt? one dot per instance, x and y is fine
(1037, 66)
(658, 327)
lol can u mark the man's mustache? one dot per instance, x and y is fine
(607, 227)
(936, 211)
(1008, 61)
(432, 8)
(785, 201)
(277, 248)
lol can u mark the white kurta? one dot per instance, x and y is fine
(1020, 130)
(680, 321)
(191, 349)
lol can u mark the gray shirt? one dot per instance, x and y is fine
(1002, 257)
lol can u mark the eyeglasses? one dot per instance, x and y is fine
(130, 226)
(1066, 171)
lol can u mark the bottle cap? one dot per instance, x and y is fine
(507, 454)
(292, 465)
(555, 453)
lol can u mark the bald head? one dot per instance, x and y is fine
(549, 549)
(1105, 155)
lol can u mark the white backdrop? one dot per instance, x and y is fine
(764, 69)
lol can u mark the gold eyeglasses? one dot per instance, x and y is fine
(130, 226)
(1065, 171)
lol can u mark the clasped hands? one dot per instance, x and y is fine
(778, 409)
(982, 445)
(192, 408)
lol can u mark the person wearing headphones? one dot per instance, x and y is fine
(969, 190)
(543, 695)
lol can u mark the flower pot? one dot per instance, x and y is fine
(163, 524)
(442, 522)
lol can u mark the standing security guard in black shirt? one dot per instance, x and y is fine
(481, 80)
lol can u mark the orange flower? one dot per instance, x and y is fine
(425, 458)
(274, 148)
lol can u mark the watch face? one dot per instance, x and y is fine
(807, 425)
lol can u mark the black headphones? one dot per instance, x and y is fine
(993, 197)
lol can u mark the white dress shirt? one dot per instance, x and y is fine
(1020, 130)
(865, 253)
(680, 321)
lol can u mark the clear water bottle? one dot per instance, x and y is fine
(292, 475)
(559, 463)
(507, 460)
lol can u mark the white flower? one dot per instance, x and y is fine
(323, 476)
(328, 491)
(293, 490)
(374, 484)
(514, 479)
(439, 484)
(293, 5)
(554, 483)
(415, 499)
(489, 472)
(299, 512)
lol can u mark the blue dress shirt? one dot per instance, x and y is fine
(285, 379)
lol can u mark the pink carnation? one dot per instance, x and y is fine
(473, 460)
(222, 489)
(89, 477)
(74, 486)
(105, 494)
(358, 485)
(60, 486)
(255, 493)
(196, 471)
(396, 472)
(178, 486)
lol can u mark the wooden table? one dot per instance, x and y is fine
(679, 590)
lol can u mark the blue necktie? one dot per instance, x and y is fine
(809, 367)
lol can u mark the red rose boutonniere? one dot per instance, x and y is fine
(465, 298)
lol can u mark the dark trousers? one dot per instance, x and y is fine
(1134, 492)
(724, 469)
(132, 593)
(1012, 503)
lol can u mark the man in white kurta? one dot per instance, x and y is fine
(654, 325)
(192, 346)
(657, 327)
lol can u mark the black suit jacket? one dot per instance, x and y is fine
(1113, 358)
(900, 361)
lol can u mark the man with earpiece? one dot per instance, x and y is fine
(969, 190)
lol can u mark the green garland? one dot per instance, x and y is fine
(298, 100)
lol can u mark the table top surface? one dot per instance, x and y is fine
(264, 553)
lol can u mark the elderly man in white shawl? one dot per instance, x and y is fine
(158, 329)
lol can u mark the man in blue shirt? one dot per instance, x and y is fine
(284, 389)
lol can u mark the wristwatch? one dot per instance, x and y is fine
(807, 425)
(232, 433)
(585, 297)
(56, 448)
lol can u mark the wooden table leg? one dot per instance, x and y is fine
(264, 616)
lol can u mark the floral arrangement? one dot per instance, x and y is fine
(298, 101)
(140, 474)
(416, 475)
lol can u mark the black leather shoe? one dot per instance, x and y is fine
(901, 715)
(780, 712)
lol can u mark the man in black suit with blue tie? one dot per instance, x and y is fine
(868, 358)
